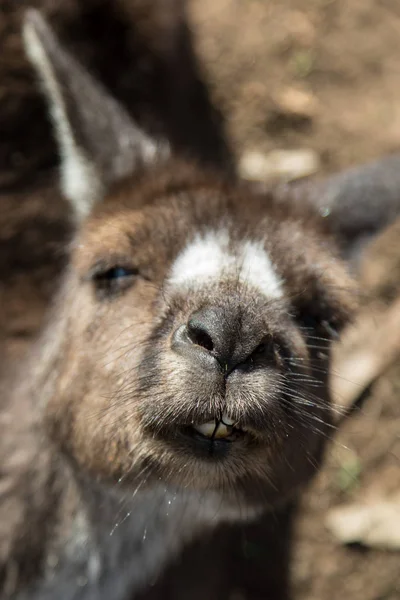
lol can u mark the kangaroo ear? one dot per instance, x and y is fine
(98, 141)
(357, 203)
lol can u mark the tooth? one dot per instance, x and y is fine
(222, 431)
(206, 429)
(226, 420)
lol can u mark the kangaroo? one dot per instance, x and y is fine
(177, 401)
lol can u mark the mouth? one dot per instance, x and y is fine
(223, 429)
(216, 436)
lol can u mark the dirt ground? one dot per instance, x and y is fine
(293, 74)
(341, 55)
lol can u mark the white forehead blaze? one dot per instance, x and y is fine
(211, 256)
(257, 269)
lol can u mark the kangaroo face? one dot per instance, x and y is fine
(188, 358)
(194, 313)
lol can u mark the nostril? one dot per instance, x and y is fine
(199, 335)
(195, 344)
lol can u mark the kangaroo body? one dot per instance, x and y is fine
(156, 441)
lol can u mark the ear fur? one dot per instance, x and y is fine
(98, 141)
(357, 203)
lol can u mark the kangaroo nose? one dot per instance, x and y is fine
(211, 336)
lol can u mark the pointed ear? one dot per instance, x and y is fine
(357, 203)
(98, 141)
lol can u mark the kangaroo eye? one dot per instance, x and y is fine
(116, 273)
(113, 280)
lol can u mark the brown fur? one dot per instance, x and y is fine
(103, 482)
(105, 375)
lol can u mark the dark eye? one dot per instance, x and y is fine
(116, 273)
(114, 279)
(324, 328)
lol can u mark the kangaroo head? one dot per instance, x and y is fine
(195, 318)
